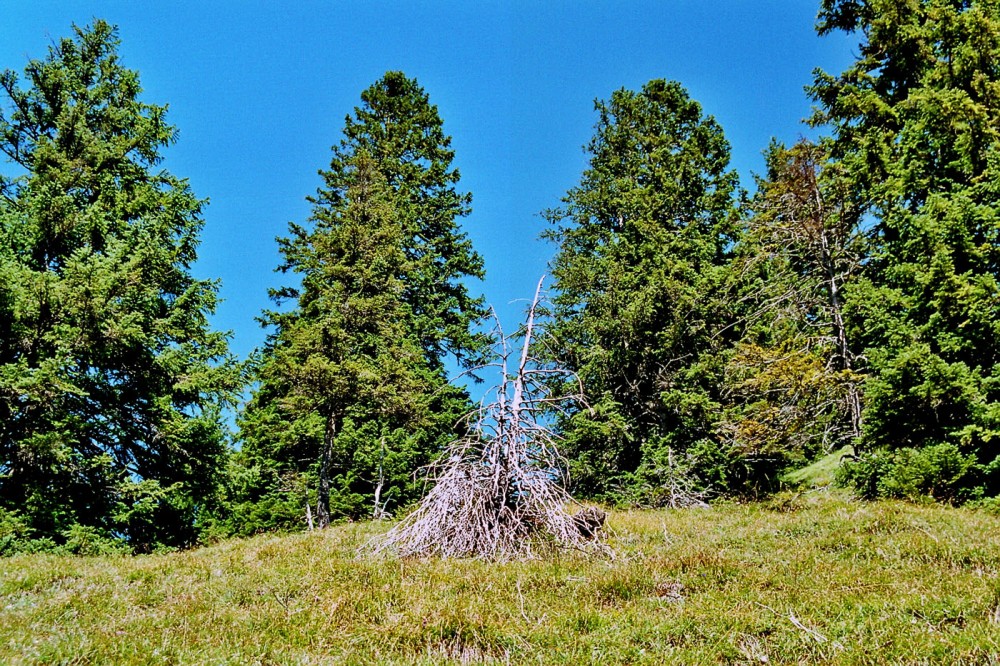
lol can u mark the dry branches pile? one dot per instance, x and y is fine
(498, 493)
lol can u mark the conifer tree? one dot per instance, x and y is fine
(916, 126)
(344, 356)
(401, 130)
(111, 381)
(793, 378)
(364, 460)
(641, 241)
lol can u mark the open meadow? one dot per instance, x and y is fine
(808, 578)
(727, 303)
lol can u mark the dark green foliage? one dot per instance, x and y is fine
(353, 396)
(641, 244)
(401, 131)
(111, 382)
(916, 124)
(343, 355)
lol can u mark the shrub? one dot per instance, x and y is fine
(86, 540)
(14, 531)
(941, 472)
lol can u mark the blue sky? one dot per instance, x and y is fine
(259, 91)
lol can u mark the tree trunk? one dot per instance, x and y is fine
(843, 349)
(325, 464)
(379, 510)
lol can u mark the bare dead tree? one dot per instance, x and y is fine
(499, 491)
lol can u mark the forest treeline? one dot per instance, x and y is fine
(849, 304)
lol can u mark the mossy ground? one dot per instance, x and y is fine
(806, 578)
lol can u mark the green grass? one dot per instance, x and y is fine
(819, 474)
(809, 578)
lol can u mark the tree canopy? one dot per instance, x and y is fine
(354, 396)
(111, 379)
(848, 306)
(640, 242)
(915, 128)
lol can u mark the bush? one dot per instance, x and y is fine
(940, 472)
(274, 512)
(16, 539)
(14, 531)
(989, 505)
(86, 540)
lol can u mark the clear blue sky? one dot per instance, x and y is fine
(259, 91)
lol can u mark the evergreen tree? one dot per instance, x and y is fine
(363, 461)
(111, 381)
(401, 130)
(344, 357)
(642, 240)
(793, 378)
(916, 123)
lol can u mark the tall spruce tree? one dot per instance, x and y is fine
(401, 130)
(344, 359)
(916, 125)
(364, 460)
(641, 241)
(111, 380)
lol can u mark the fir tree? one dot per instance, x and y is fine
(344, 357)
(364, 460)
(111, 381)
(916, 123)
(401, 130)
(793, 378)
(641, 241)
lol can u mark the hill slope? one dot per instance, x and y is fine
(807, 579)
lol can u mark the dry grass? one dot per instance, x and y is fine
(812, 578)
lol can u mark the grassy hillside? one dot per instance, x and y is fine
(804, 579)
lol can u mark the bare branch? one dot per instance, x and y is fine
(499, 491)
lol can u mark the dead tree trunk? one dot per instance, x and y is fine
(844, 355)
(378, 511)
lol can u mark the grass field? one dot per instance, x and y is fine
(811, 578)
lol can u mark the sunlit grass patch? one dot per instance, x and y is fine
(825, 581)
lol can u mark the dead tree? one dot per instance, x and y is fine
(498, 492)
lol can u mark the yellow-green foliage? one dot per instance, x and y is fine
(810, 578)
(792, 399)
